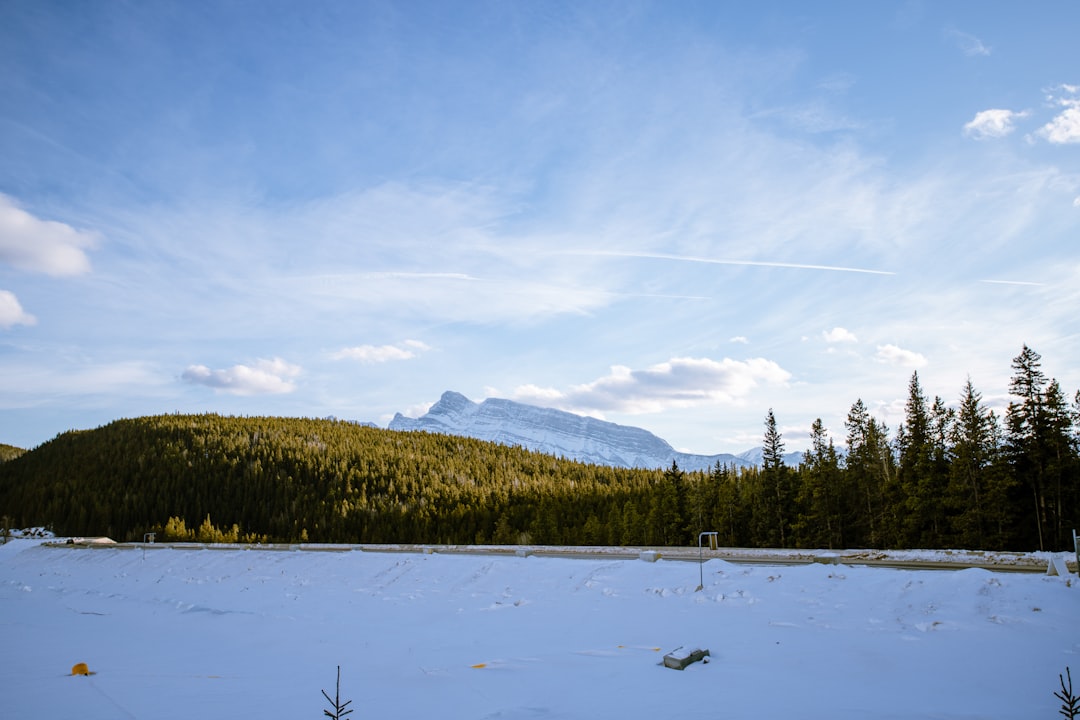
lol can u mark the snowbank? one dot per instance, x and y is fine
(179, 634)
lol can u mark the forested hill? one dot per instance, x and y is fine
(304, 479)
(948, 477)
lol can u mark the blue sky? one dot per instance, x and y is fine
(674, 215)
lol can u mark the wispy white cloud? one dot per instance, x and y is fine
(1065, 127)
(839, 82)
(679, 382)
(740, 339)
(1013, 282)
(265, 377)
(894, 355)
(718, 261)
(72, 384)
(839, 335)
(381, 353)
(969, 44)
(47, 246)
(812, 117)
(994, 123)
(463, 231)
(459, 298)
(11, 311)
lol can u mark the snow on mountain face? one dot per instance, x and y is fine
(556, 432)
(755, 456)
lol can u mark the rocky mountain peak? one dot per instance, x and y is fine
(559, 433)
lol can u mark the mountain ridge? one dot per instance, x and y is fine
(564, 434)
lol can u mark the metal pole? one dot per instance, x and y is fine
(700, 571)
(1076, 548)
(700, 561)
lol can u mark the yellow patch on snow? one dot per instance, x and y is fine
(80, 669)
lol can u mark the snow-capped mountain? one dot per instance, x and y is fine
(755, 456)
(562, 434)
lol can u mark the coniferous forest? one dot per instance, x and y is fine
(950, 476)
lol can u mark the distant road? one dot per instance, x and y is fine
(899, 559)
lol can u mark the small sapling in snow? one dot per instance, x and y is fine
(1070, 704)
(335, 702)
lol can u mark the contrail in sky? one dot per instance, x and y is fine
(1013, 282)
(715, 261)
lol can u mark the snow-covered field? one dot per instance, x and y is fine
(233, 633)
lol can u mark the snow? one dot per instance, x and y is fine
(559, 433)
(233, 632)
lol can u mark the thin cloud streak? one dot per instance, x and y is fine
(718, 261)
(76, 383)
(1014, 282)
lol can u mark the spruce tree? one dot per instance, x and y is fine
(1026, 428)
(871, 468)
(972, 452)
(777, 492)
(820, 522)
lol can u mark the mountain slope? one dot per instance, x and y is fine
(560, 433)
(9, 452)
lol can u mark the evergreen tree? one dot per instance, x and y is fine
(1028, 429)
(972, 497)
(665, 519)
(776, 486)
(913, 450)
(632, 528)
(1062, 468)
(871, 470)
(935, 480)
(730, 518)
(820, 522)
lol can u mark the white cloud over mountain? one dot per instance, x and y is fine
(11, 311)
(1065, 127)
(265, 377)
(679, 382)
(893, 355)
(839, 335)
(29, 243)
(381, 353)
(994, 123)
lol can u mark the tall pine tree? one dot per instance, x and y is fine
(820, 523)
(1026, 428)
(777, 486)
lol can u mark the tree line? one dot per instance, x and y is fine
(948, 476)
